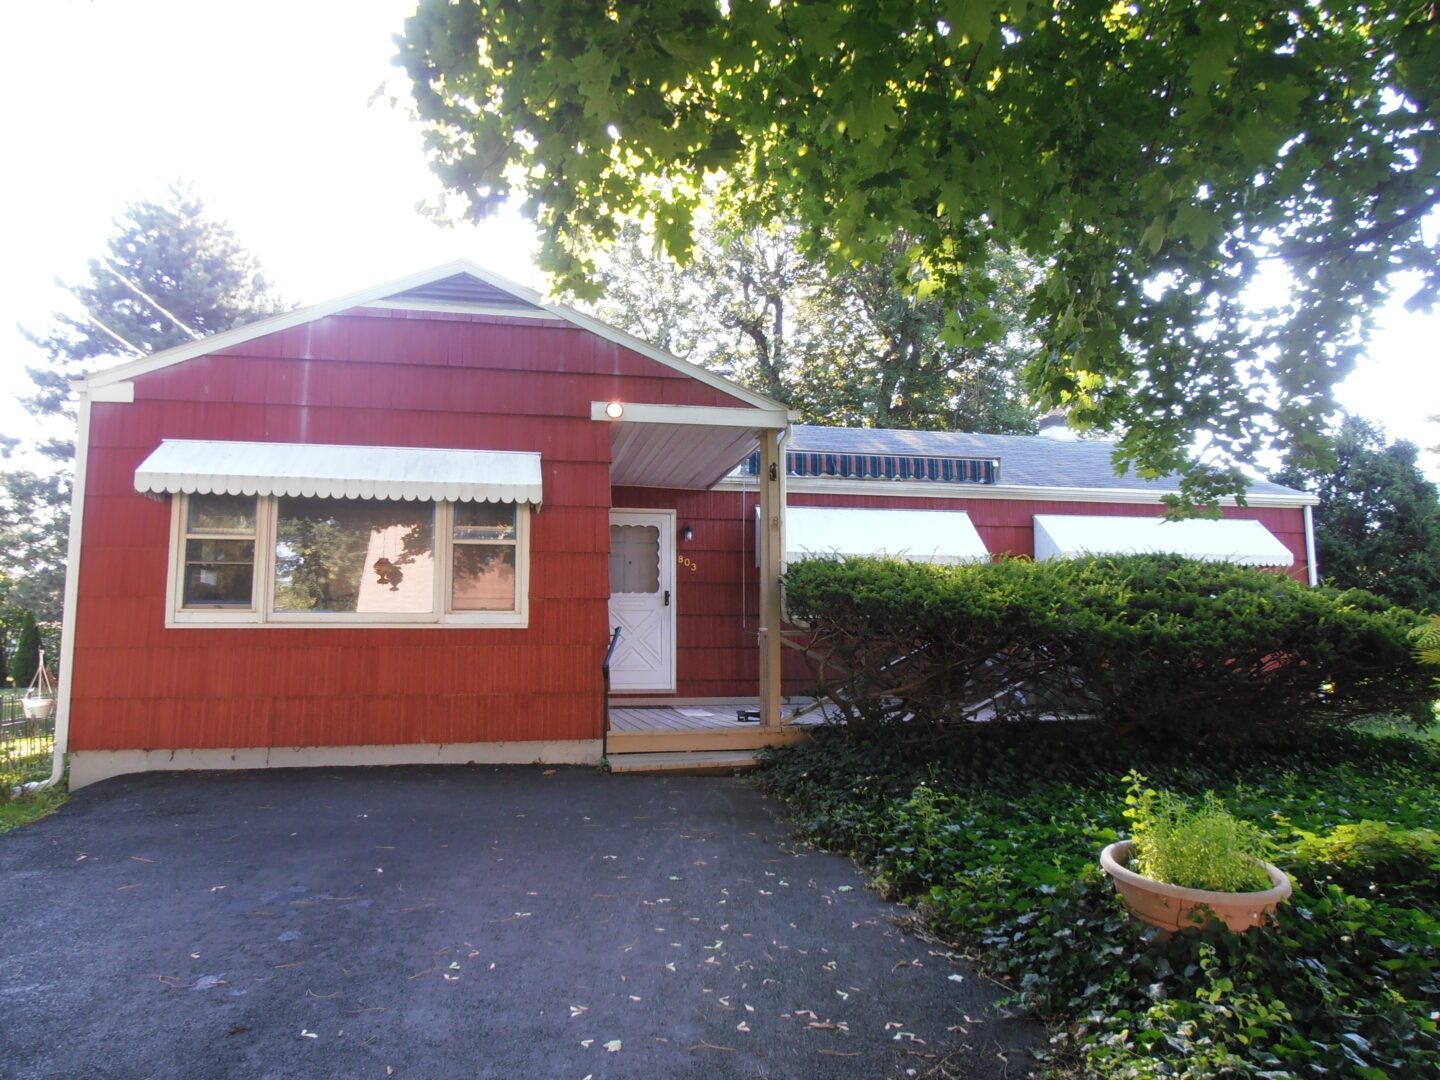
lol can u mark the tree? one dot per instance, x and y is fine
(1150, 157)
(170, 273)
(165, 258)
(27, 651)
(34, 528)
(849, 347)
(1378, 523)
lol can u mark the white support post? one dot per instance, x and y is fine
(772, 509)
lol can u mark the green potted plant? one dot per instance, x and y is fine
(1186, 864)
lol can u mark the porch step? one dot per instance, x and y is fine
(683, 761)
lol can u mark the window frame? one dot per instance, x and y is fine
(261, 611)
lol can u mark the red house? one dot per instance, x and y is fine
(403, 525)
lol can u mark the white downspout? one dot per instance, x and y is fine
(1310, 564)
(72, 591)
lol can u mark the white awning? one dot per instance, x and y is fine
(340, 472)
(1249, 543)
(935, 536)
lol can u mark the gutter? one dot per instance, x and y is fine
(72, 591)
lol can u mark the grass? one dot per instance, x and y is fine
(993, 833)
(27, 808)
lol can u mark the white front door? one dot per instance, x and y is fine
(642, 604)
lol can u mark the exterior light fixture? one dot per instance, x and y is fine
(687, 533)
(614, 410)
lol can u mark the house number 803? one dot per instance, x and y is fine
(685, 560)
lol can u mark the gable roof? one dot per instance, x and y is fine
(1030, 461)
(455, 286)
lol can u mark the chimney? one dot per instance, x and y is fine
(1053, 426)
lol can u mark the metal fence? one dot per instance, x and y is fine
(26, 745)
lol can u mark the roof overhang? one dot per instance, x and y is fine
(314, 470)
(932, 536)
(681, 446)
(1232, 540)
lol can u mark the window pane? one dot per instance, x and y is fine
(220, 551)
(484, 521)
(634, 559)
(354, 555)
(222, 513)
(218, 584)
(484, 578)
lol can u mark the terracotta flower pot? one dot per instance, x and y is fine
(1171, 907)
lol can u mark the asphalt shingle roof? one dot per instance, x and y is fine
(1025, 460)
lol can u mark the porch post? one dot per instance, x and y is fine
(772, 509)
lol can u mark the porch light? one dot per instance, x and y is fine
(614, 410)
(687, 533)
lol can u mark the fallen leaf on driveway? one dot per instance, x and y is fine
(703, 1045)
(578, 1010)
(613, 1046)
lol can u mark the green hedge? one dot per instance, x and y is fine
(1153, 643)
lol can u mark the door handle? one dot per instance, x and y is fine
(667, 597)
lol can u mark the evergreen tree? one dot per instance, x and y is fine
(165, 256)
(183, 261)
(27, 651)
(849, 347)
(1378, 523)
(4, 658)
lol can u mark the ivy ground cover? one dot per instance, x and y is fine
(994, 831)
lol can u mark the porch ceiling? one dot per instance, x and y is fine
(682, 447)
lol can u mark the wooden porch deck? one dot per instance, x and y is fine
(704, 727)
(707, 717)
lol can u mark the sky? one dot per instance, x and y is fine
(266, 109)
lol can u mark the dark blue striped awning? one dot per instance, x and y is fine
(944, 470)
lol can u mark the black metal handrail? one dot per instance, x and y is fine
(605, 672)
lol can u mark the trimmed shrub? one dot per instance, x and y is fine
(1154, 643)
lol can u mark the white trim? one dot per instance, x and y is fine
(72, 589)
(924, 490)
(667, 567)
(122, 393)
(367, 297)
(455, 308)
(1312, 565)
(89, 766)
(697, 415)
(262, 614)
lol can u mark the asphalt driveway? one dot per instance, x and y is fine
(461, 922)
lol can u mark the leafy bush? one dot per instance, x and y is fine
(1155, 643)
(1364, 854)
(1427, 644)
(1195, 847)
(993, 832)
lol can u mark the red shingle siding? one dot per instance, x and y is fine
(361, 378)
